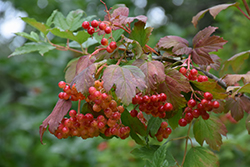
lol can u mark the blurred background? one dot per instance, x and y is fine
(28, 83)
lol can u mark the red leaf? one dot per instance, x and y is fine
(203, 43)
(154, 73)
(174, 83)
(60, 110)
(85, 79)
(126, 79)
(180, 45)
(231, 79)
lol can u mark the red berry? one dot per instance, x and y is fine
(104, 41)
(208, 96)
(193, 72)
(168, 130)
(216, 104)
(205, 116)
(192, 77)
(183, 70)
(133, 113)
(61, 84)
(72, 113)
(182, 122)
(109, 50)
(202, 78)
(113, 45)
(188, 109)
(154, 98)
(168, 107)
(89, 117)
(102, 26)
(85, 25)
(91, 30)
(196, 113)
(209, 106)
(161, 109)
(100, 125)
(163, 97)
(92, 90)
(94, 23)
(146, 99)
(189, 117)
(164, 124)
(107, 30)
(191, 103)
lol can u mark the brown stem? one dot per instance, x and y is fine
(243, 13)
(151, 49)
(79, 106)
(185, 152)
(247, 7)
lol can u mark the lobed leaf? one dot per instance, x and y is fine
(73, 19)
(209, 130)
(159, 158)
(32, 36)
(153, 125)
(214, 11)
(153, 71)
(51, 18)
(203, 43)
(235, 61)
(70, 70)
(179, 45)
(140, 34)
(231, 79)
(137, 138)
(145, 152)
(245, 88)
(201, 156)
(40, 26)
(41, 47)
(60, 110)
(126, 79)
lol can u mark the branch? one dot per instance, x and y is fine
(247, 7)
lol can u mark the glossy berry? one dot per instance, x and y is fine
(164, 125)
(102, 26)
(72, 113)
(182, 122)
(92, 90)
(163, 97)
(104, 41)
(154, 98)
(168, 107)
(193, 72)
(61, 84)
(107, 30)
(196, 113)
(91, 30)
(216, 104)
(94, 23)
(208, 96)
(85, 25)
(133, 113)
(183, 70)
(205, 116)
(191, 103)
(202, 78)
(113, 45)
(189, 117)
(109, 50)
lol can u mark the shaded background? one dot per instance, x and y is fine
(28, 83)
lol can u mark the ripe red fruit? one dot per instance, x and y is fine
(193, 72)
(216, 104)
(164, 124)
(196, 113)
(85, 25)
(192, 77)
(182, 122)
(202, 78)
(107, 30)
(208, 96)
(102, 26)
(191, 103)
(146, 99)
(72, 113)
(154, 98)
(94, 23)
(161, 109)
(183, 70)
(189, 117)
(91, 30)
(168, 107)
(61, 84)
(168, 130)
(92, 90)
(133, 113)
(104, 41)
(113, 45)
(205, 116)
(163, 97)
(109, 50)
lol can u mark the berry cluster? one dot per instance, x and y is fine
(107, 120)
(155, 105)
(193, 75)
(194, 109)
(69, 93)
(96, 26)
(163, 132)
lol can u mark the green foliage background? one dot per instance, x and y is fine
(28, 89)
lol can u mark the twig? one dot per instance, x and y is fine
(243, 13)
(247, 7)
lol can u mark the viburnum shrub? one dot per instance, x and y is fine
(125, 88)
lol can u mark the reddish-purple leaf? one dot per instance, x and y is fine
(216, 60)
(179, 45)
(126, 79)
(231, 79)
(60, 110)
(174, 83)
(214, 11)
(85, 79)
(248, 124)
(237, 106)
(203, 43)
(209, 130)
(154, 73)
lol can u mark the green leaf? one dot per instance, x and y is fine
(214, 11)
(140, 34)
(201, 156)
(153, 126)
(137, 138)
(210, 86)
(80, 37)
(41, 47)
(245, 88)
(32, 36)
(145, 152)
(159, 158)
(60, 21)
(248, 123)
(173, 121)
(51, 18)
(170, 159)
(209, 130)
(134, 123)
(40, 26)
(74, 19)
(235, 61)
(130, 78)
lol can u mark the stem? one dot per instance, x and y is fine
(185, 152)
(96, 51)
(247, 7)
(79, 106)
(243, 13)
(116, 25)
(152, 50)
